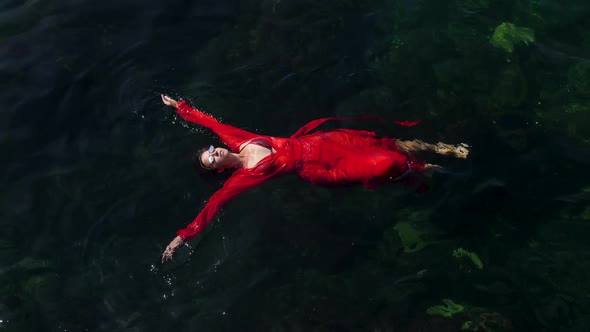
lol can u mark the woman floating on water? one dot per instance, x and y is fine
(324, 157)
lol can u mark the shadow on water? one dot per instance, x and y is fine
(96, 172)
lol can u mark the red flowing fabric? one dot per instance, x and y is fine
(330, 158)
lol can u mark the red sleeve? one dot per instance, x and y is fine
(194, 115)
(239, 182)
(229, 135)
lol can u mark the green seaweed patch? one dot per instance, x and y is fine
(412, 239)
(460, 252)
(448, 310)
(506, 35)
(467, 325)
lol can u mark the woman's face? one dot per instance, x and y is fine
(216, 158)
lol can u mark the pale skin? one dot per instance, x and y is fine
(251, 154)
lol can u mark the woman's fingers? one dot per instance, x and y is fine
(169, 101)
(166, 100)
(167, 254)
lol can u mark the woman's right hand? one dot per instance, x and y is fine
(169, 101)
(167, 254)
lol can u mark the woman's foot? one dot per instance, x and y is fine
(457, 151)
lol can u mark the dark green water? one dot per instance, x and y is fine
(96, 175)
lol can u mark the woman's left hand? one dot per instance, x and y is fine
(169, 101)
(167, 254)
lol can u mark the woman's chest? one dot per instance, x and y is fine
(255, 153)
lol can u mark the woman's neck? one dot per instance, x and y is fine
(241, 160)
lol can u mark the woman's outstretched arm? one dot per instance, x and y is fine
(230, 135)
(190, 114)
(239, 182)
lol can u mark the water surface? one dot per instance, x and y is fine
(97, 178)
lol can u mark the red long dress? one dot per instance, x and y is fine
(329, 158)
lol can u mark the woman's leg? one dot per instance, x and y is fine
(458, 151)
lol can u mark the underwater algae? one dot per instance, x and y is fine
(467, 325)
(448, 310)
(506, 35)
(411, 238)
(460, 252)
